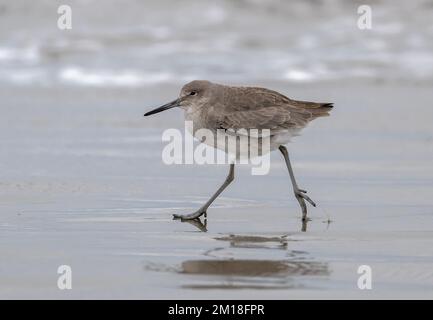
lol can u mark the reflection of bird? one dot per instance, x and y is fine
(234, 109)
(198, 224)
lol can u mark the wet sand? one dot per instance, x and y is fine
(82, 183)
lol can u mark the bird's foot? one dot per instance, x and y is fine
(300, 193)
(190, 216)
(301, 196)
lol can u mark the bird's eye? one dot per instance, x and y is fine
(193, 93)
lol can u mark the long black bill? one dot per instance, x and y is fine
(167, 106)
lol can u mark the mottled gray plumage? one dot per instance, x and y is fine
(228, 107)
(214, 107)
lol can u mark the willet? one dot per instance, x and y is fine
(218, 107)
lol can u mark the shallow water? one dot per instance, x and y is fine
(81, 177)
(83, 184)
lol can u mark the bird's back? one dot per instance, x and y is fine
(261, 108)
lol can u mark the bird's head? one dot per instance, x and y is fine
(193, 95)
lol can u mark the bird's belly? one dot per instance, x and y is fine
(283, 137)
(243, 146)
(239, 146)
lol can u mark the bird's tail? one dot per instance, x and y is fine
(318, 109)
(323, 109)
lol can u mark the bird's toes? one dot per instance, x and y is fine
(305, 197)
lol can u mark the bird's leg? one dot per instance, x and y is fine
(299, 193)
(202, 210)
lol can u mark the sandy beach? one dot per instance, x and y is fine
(83, 184)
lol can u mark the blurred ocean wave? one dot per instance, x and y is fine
(147, 43)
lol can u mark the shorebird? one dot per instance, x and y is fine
(215, 107)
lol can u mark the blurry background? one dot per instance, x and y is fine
(148, 43)
(82, 181)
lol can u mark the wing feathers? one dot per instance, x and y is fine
(260, 108)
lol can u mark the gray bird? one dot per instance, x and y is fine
(219, 107)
